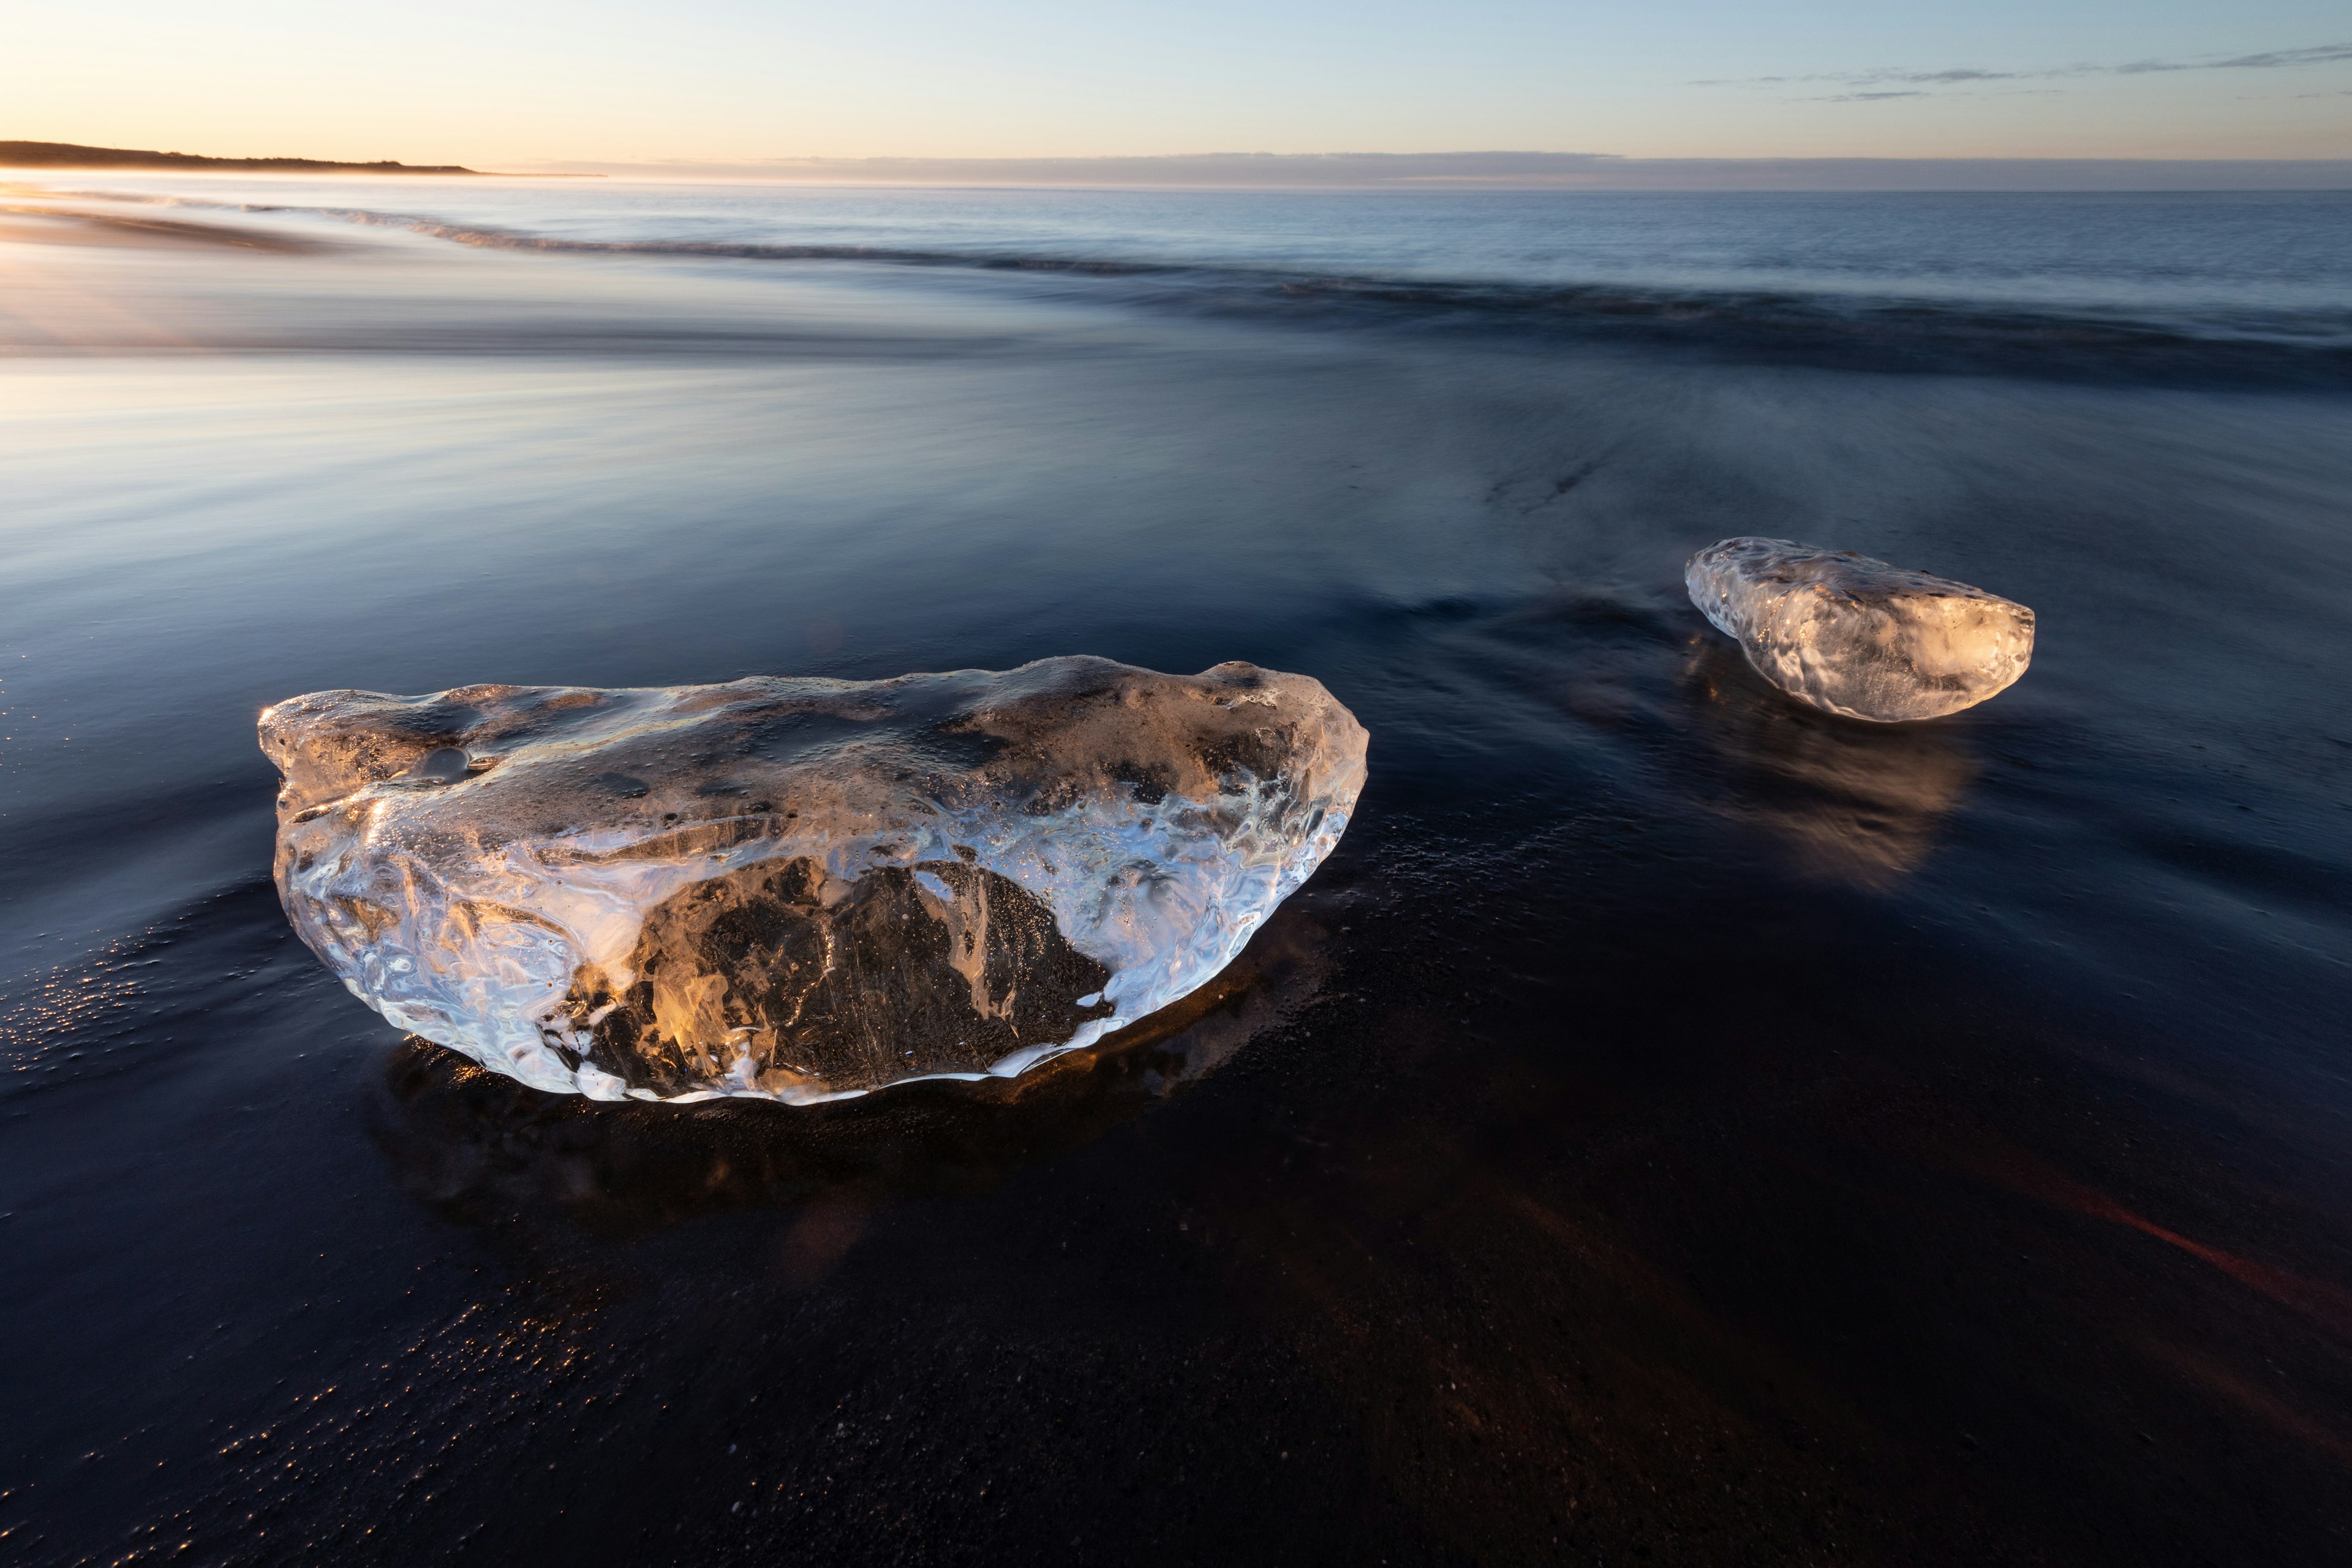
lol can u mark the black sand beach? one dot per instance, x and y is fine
(1674, 1126)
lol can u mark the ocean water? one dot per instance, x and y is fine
(1674, 1123)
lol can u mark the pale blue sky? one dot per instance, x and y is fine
(512, 82)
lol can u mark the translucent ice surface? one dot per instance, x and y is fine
(1858, 636)
(800, 890)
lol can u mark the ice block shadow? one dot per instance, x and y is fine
(1848, 801)
(478, 1146)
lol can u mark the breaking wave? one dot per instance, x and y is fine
(1852, 327)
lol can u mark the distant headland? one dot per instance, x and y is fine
(69, 155)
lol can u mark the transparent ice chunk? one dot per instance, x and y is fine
(796, 889)
(1858, 636)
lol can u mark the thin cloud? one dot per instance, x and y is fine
(2270, 60)
(1945, 78)
(1864, 97)
(2318, 55)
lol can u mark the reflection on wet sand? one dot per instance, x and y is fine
(478, 1145)
(1854, 803)
(45, 225)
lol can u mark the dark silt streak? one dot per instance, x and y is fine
(1674, 1121)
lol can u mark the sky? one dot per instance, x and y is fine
(521, 83)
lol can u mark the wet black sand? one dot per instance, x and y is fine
(1673, 1127)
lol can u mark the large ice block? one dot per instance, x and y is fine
(800, 889)
(1858, 636)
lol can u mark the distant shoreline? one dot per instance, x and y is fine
(71, 155)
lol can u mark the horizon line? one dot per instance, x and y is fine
(1495, 169)
(1499, 171)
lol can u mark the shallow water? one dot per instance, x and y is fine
(1674, 1121)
